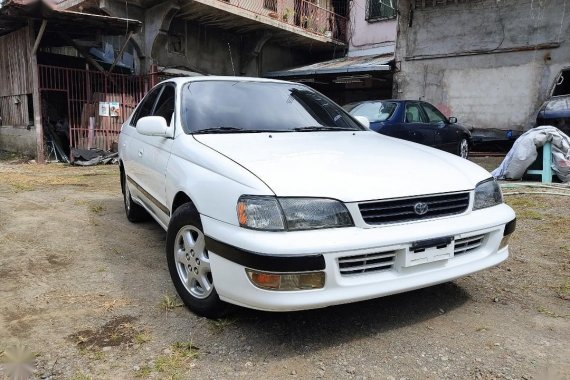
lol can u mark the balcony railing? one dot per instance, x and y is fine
(301, 14)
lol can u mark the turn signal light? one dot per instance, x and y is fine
(286, 281)
(504, 241)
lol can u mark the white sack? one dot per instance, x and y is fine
(524, 153)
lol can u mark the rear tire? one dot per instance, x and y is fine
(189, 263)
(463, 148)
(135, 213)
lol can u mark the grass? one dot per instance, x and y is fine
(80, 376)
(142, 338)
(144, 371)
(523, 202)
(172, 363)
(529, 214)
(564, 290)
(97, 208)
(22, 178)
(550, 313)
(169, 303)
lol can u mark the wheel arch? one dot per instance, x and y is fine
(122, 176)
(179, 199)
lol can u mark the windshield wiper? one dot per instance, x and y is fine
(312, 128)
(233, 130)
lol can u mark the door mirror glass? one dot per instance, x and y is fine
(452, 120)
(154, 126)
(364, 121)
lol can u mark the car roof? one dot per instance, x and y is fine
(211, 78)
(385, 100)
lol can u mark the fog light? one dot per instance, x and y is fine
(504, 241)
(286, 281)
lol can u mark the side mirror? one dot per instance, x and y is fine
(452, 120)
(154, 126)
(364, 121)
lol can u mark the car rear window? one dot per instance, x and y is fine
(375, 111)
(263, 106)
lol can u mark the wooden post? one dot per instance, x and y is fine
(121, 52)
(36, 100)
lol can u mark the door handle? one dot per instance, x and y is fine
(141, 152)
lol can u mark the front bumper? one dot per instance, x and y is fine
(322, 249)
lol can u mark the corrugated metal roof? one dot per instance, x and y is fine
(15, 14)
(339, 66)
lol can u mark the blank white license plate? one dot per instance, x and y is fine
(428, 251)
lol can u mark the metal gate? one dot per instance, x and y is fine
(97, 103)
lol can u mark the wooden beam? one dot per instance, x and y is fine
(81, 51)
(39, 37)
(120, 52)
(36, 100)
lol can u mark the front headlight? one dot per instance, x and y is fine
(487, 194)
(293, 214)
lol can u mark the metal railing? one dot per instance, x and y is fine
(302, 14)
(97, 103)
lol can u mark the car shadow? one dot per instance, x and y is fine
(321, 328)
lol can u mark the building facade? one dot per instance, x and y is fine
(365, 71)
(490, 63)
(228, 37)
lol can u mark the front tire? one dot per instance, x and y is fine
(463, 148)
(189, 263)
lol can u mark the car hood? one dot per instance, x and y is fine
(349, 166)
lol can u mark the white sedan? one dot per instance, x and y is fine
(274, 198)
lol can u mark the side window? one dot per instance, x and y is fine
(165, 105)
(413, 113)
(433, 114)
(146, 106)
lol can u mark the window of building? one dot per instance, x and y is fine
(270, 4)
(380, 9)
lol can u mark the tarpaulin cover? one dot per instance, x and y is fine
(524, 153)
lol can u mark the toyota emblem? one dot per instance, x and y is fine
(421, 208)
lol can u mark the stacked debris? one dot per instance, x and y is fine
(92, 157)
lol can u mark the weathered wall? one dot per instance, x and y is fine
(18, 139)
(369, 37)
(489, 63)
(15, 64)
(211, 50)
(205, 48)
(15, 84)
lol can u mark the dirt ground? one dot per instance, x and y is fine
(89, 296)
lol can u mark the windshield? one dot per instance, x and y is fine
(240, 106)
(375, 111)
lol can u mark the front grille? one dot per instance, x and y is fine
(468, 244)
(372, 262)
(402, 210)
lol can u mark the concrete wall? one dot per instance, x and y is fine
(211, 50)
(18, 139)
(206, 48)
(366, 38)
(489, 63)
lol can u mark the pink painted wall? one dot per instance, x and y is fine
(365, 35)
